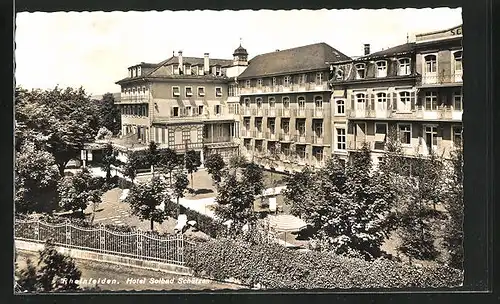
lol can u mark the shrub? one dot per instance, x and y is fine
(204, 223)
(276, 267)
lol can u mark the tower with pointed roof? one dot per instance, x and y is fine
(240, 56)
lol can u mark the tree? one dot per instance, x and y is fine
(153, 156)
(145, 199)
(55, 272)
(215, 165)
(191, 163)
(109, 160)
(77, 191)
(253, 178)
(65, 119)
(103, 133)
(180, 185)
(109, 113)
(237, 161)
(297, 191)
(235, 202)
(454, 203)
(36, 178)
(169, 160)
(135, 161)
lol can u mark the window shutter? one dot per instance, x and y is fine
(372, 102)
(352, 101)
(394, 100)
(412, 100)
(171, 111)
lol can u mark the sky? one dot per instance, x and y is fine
(94, 49)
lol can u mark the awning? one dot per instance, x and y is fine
(286, 223)
(186, 102)
(380, 137)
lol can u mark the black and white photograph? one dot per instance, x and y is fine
(263, 150)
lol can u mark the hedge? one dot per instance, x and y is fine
(275, 267)
(204, 223)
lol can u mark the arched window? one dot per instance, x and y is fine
(272, 102)
(404, 101)
(258, 100)
(340, 107)
(318, 102)
(302, 102)
(286, 102)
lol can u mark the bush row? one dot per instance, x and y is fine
(276, 267)
(204, 223)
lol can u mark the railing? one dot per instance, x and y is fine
(245, 133)
(440, 78)
(137, 244)
(135, 98)
(317, 112)
(245, 111)
(358, 144)
(319, 140)
(285, 137)
(271, 136)
(303, 87)
(299, 112)
(257, 134)
(300, 138)
(270, 112)
(284, 112)
(218, 139)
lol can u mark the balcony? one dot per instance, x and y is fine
(245, 111)
(246, 132)
(283, 112)
(318, 140)
(300, 138)
(368, 113)
(441, 113)
(300, 112)
(257, 134)
(270, 112)
(435, 79)
(285, 137)
(304, 87)
(257, 112)
(134, 99)
(357, 144)
(317, 112)
(272, 136)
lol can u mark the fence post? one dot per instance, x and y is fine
(37, 229)
(139, 243)
(102, 239)
(68, 232)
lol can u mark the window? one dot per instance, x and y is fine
(259, 83)
(457, 102)
(457, 135)
(247, 102)
(360, 71)
(218, 92)
(286, 81)
(302, 102)
(380, 136)
(258, 100)
(176, 91)
(274, 81)
(405, 134)
(175, 69)
(217, 109)
(303, 78)
(194, 70)
(318, 102)
(404, 101)
(301, 151)
(187, 68)
(286, 102)
(430, 64)
(272, 102)
(247, 83)
(201, 91)
(246, 123)
(258, 124)
(430, 101)
(341, 139)
(404, 66)
(381, 69)
(458, 61)
(360, 101)
(231, 90)
(175, 111)
(430, 137)
(285, 149)
(187, 111)
(189, 91)
(381, 101)
(318, 129)
(272, 125)
(285, 125)
(186, 136)
(200, 110)
(218, 71)
(339, 74)
(319, 78)
(340, 107)
(301, 127)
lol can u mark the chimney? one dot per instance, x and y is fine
(367, 49)
(181, 67)
(206, 64)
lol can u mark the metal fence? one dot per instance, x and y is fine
(136, 244)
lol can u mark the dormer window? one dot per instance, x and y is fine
(360, 71)
(274, 81)
(187, 68)
(381, 68)
(218, 92)
(175, 69)
(339, 74)
(319, 78)
(259, 83)
(176, 91)
(303, 78)
(286, 81)
(189, 91)
(201, 91)
(138, 71)
(247, 83)
(218, 71)
(404, 66)
(194, 70)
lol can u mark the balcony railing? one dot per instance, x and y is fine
(285, 136)
(317, 112)
(272, 136)
(300, 138)
(319, 140)
(246, 133)
(441, 78)
(134, 99)
(257, 134)
(299, 112)
(270, 112)
(245, 111)
(357, 144)
(304, 87)
(218, 139)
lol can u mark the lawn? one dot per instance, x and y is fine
(132, 278)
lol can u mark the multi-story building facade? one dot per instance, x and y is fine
(179, 103)
(285, 107)
(413, 89)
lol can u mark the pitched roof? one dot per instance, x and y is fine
(399, 49)
(196, 61)
(304, 58)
